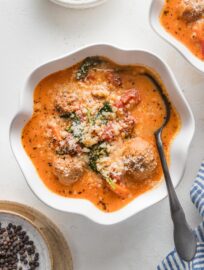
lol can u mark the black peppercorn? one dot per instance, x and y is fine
(16, 249)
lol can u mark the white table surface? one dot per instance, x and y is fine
(34, 31)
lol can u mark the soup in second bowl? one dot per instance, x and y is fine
(184, 19)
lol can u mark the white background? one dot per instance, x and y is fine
(34, 31)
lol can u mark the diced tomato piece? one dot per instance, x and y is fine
(119, 104)
(131, 95)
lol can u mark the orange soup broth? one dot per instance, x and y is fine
(149, 115)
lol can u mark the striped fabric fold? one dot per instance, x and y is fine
(172, 261)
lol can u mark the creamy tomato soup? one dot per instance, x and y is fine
(91, 134)
(184, 19)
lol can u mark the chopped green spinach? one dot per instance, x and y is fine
(96, 152)
(106, 108)
(74, 125)
(86, 65)
(65, 115)
(71, 116)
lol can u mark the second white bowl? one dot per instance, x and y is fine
(154, 17)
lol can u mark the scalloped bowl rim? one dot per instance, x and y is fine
(154, 15)
(179, 147)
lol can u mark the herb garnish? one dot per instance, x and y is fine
(110, 182)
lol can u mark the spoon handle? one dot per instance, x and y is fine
(173, 199)
(184, 238)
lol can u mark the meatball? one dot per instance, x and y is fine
(192, 11)
(68, 170)
(139, 158)
(191, 15)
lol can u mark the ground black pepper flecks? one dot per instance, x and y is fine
(17, 251)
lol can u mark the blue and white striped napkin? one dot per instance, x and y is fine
(172, 261)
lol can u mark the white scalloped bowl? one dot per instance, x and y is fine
(154, 17)
(179, 146)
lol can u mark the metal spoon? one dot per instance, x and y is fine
(184, 238)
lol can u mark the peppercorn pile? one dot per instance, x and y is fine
(17, 251)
